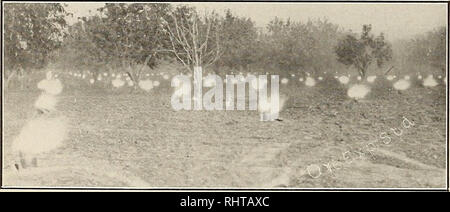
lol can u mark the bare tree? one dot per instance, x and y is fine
(194, 41)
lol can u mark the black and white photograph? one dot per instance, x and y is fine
(284, 96)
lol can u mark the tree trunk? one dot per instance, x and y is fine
(8, 79)
(362, 71)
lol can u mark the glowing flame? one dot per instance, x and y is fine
(344, 79)
(145, 85)
(390, 77)
(50, 86)
(117, 83)
(401, 85)
(310, 82)
(358, 91)
(430, 81)
(371, 79)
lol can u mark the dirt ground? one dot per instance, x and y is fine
(135, 139)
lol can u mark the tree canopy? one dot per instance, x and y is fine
(130, 35)
(362, 52)
(32, 32)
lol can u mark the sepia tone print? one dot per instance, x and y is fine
(224, 95)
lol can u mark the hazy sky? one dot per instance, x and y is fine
(395, 20)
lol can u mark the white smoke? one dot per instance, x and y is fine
(46, 102)
(145, 85)
(344, 79)
(401, 85)
(371, 79)
(117, 83)
(50, 86)
(430, 81)
(358, 91)
(40, 135)
(310, 82)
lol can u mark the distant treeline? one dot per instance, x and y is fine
(422, 52)
(123, 36)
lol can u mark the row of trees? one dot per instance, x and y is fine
(31, 33)
(136, 37)
(362, 52)
(125, 35)
(427, 50)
